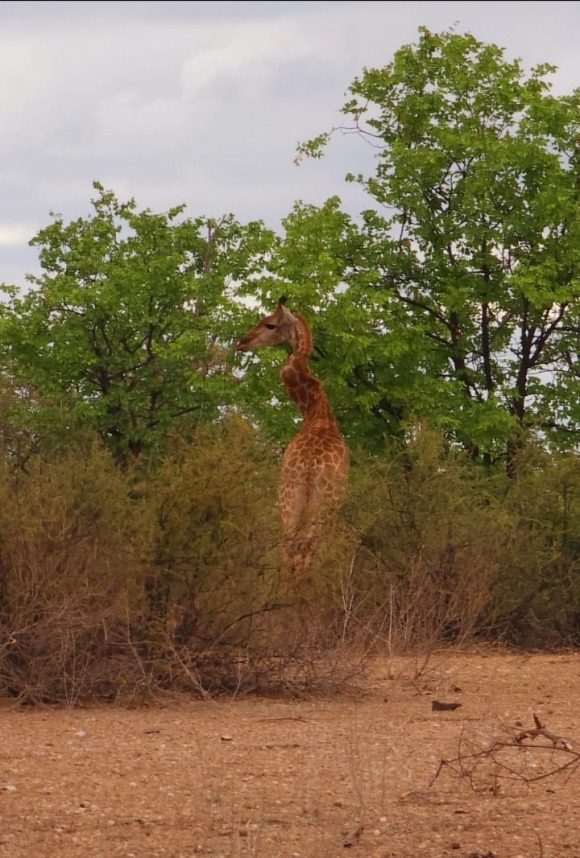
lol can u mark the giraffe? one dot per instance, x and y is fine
(315, 464)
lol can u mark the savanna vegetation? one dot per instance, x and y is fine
(139, 454)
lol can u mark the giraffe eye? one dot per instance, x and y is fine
(270, 326)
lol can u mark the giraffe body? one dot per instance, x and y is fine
(315, 464)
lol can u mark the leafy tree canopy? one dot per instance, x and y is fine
(128, 324)
(466, 275)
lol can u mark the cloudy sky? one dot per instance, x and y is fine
(203, 103)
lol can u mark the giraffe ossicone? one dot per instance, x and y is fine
(315, 464)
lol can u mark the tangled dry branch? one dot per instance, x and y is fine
(515, 757)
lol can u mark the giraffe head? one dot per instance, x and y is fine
(280, 327)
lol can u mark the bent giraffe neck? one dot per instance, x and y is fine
(302, 386)
(302, 343)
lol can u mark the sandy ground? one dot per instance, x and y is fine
(318, 778)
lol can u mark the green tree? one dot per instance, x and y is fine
(470, 268)
(127, 328)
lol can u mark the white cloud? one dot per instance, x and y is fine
(245, 55)
(16, 233)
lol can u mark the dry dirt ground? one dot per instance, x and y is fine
(354, 775)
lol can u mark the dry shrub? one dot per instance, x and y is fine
(536, 595)
(69, 578)
(430, 538)
(212, 567)
(114, 584)
(448, 550)
(117, 584)
(319, 635)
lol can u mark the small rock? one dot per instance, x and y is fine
(438, 706)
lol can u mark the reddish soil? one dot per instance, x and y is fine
(318, 778)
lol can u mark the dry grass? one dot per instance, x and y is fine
(315, 778)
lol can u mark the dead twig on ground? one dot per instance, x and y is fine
(516, 756)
